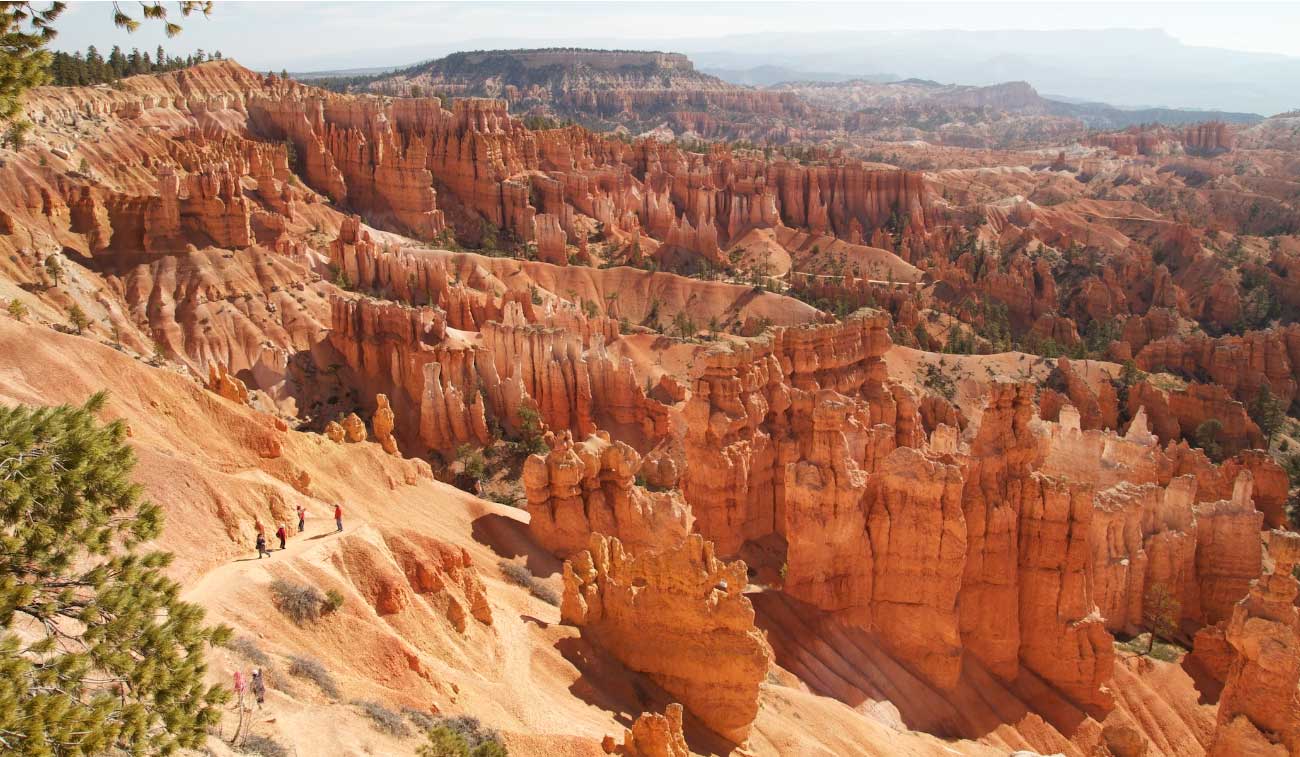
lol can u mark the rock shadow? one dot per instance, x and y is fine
(604, 682)
(509, 539)
(852, 665)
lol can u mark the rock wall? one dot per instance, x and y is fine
(1239, 364)
(1259, 710)
(444, 388)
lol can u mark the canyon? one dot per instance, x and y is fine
(658, 448)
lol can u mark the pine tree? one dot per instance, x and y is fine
(54, 268)
(108, 658)
(1268, 413)
(24, 31)
(77, 317)
(17, 310)
(117, 62)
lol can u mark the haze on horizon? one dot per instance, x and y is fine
(1231, 56)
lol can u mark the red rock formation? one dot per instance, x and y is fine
(382, 425)
(654, 735)
(425, 571)
(1240, 364)
(743, 405)
(579, 489)
(1097, 403)
(1228, 552)
(679, 616)
(1271, 484)
(1209, 138)
(1178, 414)
(1259, 711)
(551, 240)
(354, 429)
(221, 382)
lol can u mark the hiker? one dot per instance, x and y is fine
(261, 546)
(302, 519)
(338, 518)
(259, 688)
(282, 534)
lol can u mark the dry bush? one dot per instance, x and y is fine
(312, 670)
(385, 720)
(522, 576)
(247, 648)
(263, 745)
(422, 720)
(303, 603)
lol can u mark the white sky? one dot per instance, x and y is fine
(272, 35)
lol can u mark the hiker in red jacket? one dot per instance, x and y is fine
(338, 518)
(282, 533)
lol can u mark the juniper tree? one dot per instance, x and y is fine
(97, 652)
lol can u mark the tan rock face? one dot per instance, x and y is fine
(748, 415)
(382, 424)
(354, 429)
(578, 489)
(680, 617)
(1259, 710)
(655, 735)
(334, 431)
(221, 382)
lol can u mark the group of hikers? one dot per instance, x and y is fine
(255, 684)
(282, 529)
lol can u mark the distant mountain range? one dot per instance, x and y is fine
(1126, 68)
(660, 93)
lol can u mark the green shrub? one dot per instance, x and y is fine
(333, 600)
(462, 736)
(17, 310)
(443, 742)
(472, 460)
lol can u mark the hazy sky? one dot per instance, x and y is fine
(272, 35)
